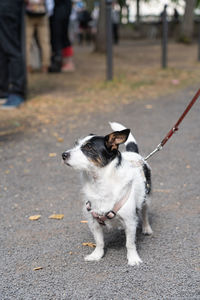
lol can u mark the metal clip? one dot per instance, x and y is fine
(158, 148)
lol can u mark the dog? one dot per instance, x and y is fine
(116, 186)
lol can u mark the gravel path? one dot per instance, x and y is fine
(36, 183)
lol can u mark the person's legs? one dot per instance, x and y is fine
(115, 33)
(56, 47)
(43, 37)
(59, 23)
(30, 27)
(10, 43)
(67, 50)
(3, 76)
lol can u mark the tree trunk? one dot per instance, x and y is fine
(188, 22)
(100, 45)
(137, 13)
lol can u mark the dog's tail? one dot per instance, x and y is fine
(131, 144)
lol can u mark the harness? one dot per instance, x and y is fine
(112, 213)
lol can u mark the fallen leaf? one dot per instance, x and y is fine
(148, 106)
(84, 221)
(60, 140)
(92, 245)
(52, 154)
(188, 166)
(56, 216)
(34, 218)
(28, 160)
(37, 268)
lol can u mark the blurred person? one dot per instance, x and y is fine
(37, 12)
(62, 51)
(163, 13)
(84, 19)
(176, 16)
(73, 23)
(115, 22)
(12, 63)
(95, 18)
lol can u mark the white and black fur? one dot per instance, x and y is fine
(108, 176)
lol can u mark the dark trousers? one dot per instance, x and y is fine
(115, 33)
(59, 23)
(12, 64)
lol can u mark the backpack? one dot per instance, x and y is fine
(36, 7)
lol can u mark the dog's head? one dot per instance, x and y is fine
(95, 151)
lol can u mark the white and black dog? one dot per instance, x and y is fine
(115, 186)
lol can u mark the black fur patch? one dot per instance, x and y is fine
(132, 147)
(147, 174)
(96, 150)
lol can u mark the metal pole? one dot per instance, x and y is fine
(137, 13)
(164, 37)
(109, 41)
(199, 43)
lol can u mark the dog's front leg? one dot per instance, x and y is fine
(132, 255)
(97, 231)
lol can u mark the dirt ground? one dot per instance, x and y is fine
(137, 75)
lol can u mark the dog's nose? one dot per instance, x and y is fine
(65, 155)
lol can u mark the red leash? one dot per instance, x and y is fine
(175, 127)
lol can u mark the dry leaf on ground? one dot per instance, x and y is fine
(34, 218)
(52, 154)
(92, 245)
(56, 216)
(148, 106)
(37, 268)
(60, 140)
(84, 221)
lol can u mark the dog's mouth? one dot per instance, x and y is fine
(66, 163)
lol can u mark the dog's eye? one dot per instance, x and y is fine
(87, 147)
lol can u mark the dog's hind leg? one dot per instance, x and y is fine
(132, 255)
(146, 228)
(97, 231)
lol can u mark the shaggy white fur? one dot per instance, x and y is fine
(105, 186)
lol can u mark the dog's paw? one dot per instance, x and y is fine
(134, 262)
(147, 230)
(134, 259)
(95, 255)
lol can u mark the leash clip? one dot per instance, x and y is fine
(158, 148)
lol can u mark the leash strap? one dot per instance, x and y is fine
(175, 127)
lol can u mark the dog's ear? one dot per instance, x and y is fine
(114, 139)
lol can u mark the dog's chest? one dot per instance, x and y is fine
(101, 196)
(104, 195)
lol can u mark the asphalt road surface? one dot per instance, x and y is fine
(35, 182)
